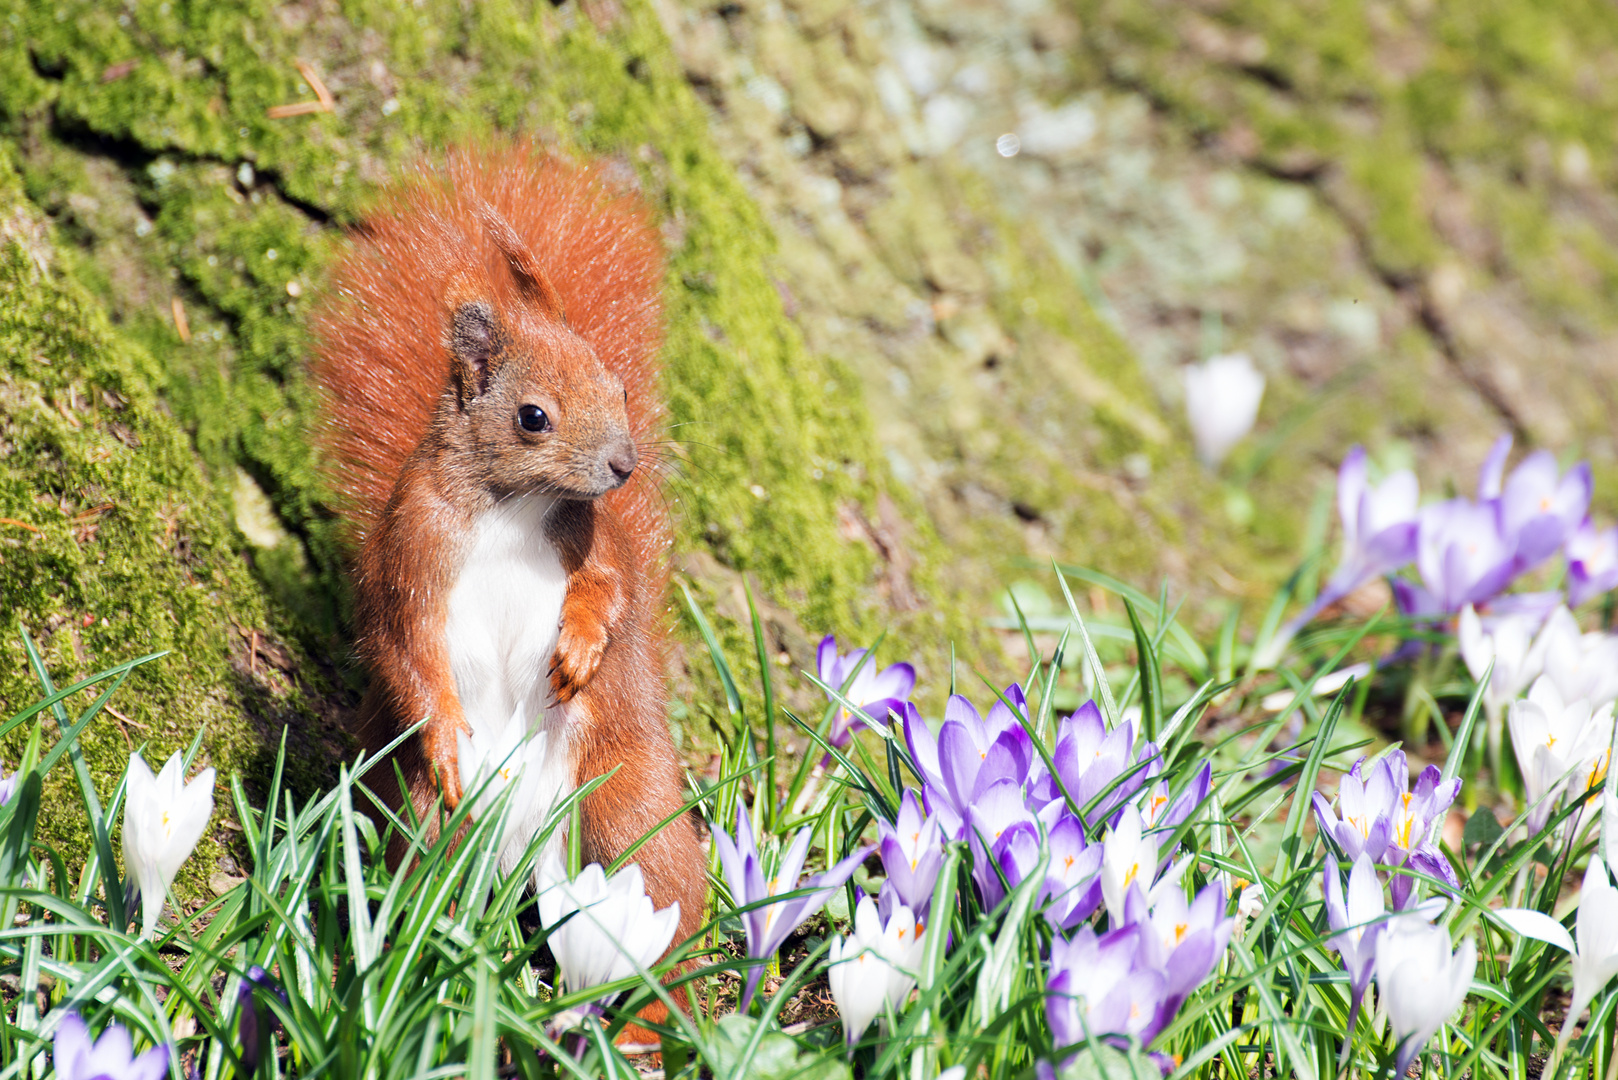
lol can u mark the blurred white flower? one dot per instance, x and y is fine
(1252, 901)
(1420, 982)
(1583, 666)
(875, 966)
(164, 817)
(1222, 395)
(1550, 737)
(615, 929)
(1510, 644)
(489, 763)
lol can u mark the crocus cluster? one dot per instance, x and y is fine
(1467, 552)
(985, 783)
(1380, 816)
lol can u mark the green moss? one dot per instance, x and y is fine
(112, 546)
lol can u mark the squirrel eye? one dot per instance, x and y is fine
(533, 418)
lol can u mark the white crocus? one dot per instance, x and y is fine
(489, 763)
(1128, 856)
(1583, 666)
(1551, 737)
(1222, 395)
(1509, 644)
(875, 966)
(615, 931)
(1595, 956)
(164, 817)
(1420, 981)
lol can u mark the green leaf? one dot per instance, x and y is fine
(1481, 828)
(776, 1058)
(1098, 1061)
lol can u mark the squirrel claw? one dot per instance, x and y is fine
(577, 658)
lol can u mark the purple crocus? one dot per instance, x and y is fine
(1073, 879)
(1463, 558)
(1088, 758)
(1539, 507)
(1098, 986)
(1004, 835)
(1182, 940)
(771, 924)
(111, 1057)
(970, 752)
(1159, 813)
(877, 693)
(8, 786)
(1357, 920)
(1379, 532)
(1592, 562)
(912, 853)
(252, 1024)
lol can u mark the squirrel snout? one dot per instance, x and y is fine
(622, 459)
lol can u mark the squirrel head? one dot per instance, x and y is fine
(545, 415)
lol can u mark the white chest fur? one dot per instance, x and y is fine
(505, 612)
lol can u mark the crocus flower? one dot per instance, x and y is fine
(1582, 666)
(970, 752)
(1595, 957)
(1379, 536)
(770, 924)
(1509, 644)
(1551, 737)
(1004, 839)
(1539, 509)
(164, 817)
(1159, 813)
(1073, 878)
(1463, 558)
(1592, 562)
(912, 852)
(1128, 855)
(1358, 922)
(1182, 940)
(876, 692)
(491, 762)
(1222, 396)
(611, 929)
(8, 786)
(111, 1057)
(1098, 986)
(1088, 758)
(875, 966)
(1420, 982)
(251, 1023)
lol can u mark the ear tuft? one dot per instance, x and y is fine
(531, 278)
(472, 340)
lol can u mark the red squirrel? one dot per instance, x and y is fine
(488, 363)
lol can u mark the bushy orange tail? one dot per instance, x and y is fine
(381, 362)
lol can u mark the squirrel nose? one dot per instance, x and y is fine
(622, 461)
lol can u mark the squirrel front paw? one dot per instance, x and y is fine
(443, 757)
(578, 654)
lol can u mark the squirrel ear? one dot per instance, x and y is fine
(472, 341)
(531, 277)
